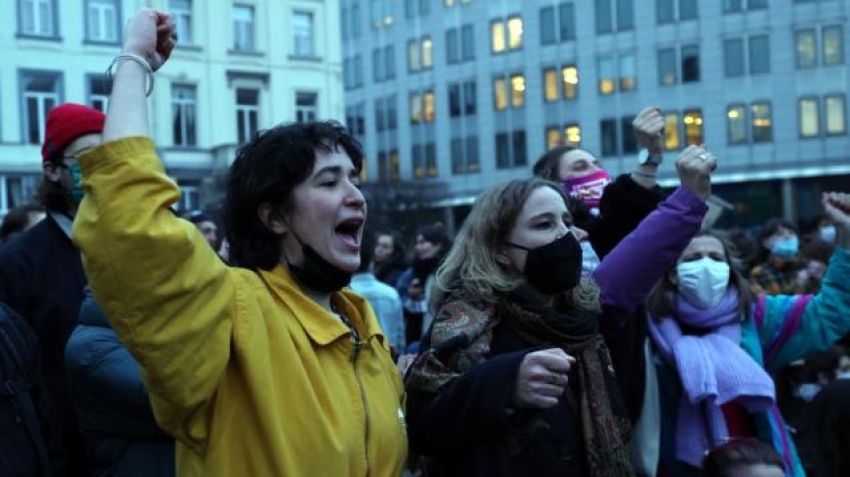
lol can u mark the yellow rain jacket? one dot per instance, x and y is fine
(247, 373)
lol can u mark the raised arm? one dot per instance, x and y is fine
(629, 272)
(163, 289)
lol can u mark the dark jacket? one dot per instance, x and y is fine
(112, 402)
(465, 428)
(42, 278)
(29, 438)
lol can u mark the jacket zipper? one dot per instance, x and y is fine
(355, 353)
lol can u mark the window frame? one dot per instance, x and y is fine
(58, 78)
(116, 15)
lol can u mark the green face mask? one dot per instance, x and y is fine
(76, 193)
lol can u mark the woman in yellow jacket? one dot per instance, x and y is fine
(269, 367)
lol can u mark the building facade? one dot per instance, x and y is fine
(239, 66)
(451, 96)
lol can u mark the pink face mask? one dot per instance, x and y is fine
(588, 189)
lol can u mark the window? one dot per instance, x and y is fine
(181, 14)
(16, 189)
(452, 46)
(733, 53)
(808, 117)
(607, 10)
(629, 140)
(462, 99)
(667, 73)
(570, 135)
(391, 112)
(759, 54)
(511, 149)
(427, 53)
(835, 114)
(247, 113)
(500, 94)
(464, 155)
(417, 153)
(243, 28)
(557, 28)
(355, 21)
(380, 124)
(190, 196)
(415, 108)
(690, 64)
(833, 45)
(389, 59)
(667, 11)
(413, 8)
(378, 65)
(355, 120)
(467, 37)
(429, 106)
(381, 13)
(389, 166)
(517, 90)
(550, 85)
(762, 123)
(736, 120)
(616, 71)
(37, 18)
(306, 107)
(183, 113)
(102, 20)
(414, 63)
(40, 92)
(569, 77)
(302, 34)
(98, 92)
(506, 34)
(608, 134)
(358, 71)
(733, 6)
(693, 126)
(671, 131)
(806, 47)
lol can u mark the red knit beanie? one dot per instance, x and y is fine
(67, 122)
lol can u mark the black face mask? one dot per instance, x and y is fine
(555, 267)
(316, 273)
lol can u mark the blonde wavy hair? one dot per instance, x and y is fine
(471, 269)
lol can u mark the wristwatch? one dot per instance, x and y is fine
(646, 158)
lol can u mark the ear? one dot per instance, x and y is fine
(51, 172)
(272, 219)
(502, 257)
(672, 277)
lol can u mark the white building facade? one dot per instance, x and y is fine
(451, 96)
(240, 66)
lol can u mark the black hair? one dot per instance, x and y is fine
(52, 195)
(549, 165)
(436, 234)
(367, 250)
(266, 170)
(771, 227)
(739, 453)
(17, 219)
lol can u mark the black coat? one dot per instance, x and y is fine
(112, 403)
(42, 278)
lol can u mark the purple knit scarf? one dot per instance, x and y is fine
(713, 370)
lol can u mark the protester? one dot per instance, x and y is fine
(384, 299)
(20, 219)
(608, 217)
(716, 341)
(206, 226)
(743, 458)
(271, 368)
(416, 285)
(515, 377)
(782, 271)
(41, 275)
(825, 431)
(389, 257)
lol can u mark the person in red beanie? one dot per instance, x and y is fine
(41, 273)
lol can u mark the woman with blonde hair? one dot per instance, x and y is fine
(515, 377)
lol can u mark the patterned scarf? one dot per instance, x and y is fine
(461, 338)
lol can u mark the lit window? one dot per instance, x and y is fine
(671, 131)
(693, 127)
(762, 123)
(517, 90)
(569, 75)
(806, 49)
(606, 75)
(572, 133)
(736, 117)
(429, 106)
(500, 94)
(833, 45)
(413, 59)
(627, 72)
(497, 36)
(809, 117)
(427, 53)
(835, 115)
(515, 33)
(415, 109)
(550, 85)
(553, 137)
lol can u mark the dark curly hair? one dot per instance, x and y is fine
(266, 170)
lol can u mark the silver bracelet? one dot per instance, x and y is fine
(648, 175)
(135, 58)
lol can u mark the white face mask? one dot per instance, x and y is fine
(828, 234)
(702, 283)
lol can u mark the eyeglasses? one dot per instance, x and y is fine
(75, 156)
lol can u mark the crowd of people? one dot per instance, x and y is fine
(577, 324)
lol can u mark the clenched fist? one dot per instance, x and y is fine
(694, 166)
(837, 207)
(542, 378)
(649, 129)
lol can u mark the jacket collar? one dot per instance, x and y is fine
(320, 324)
